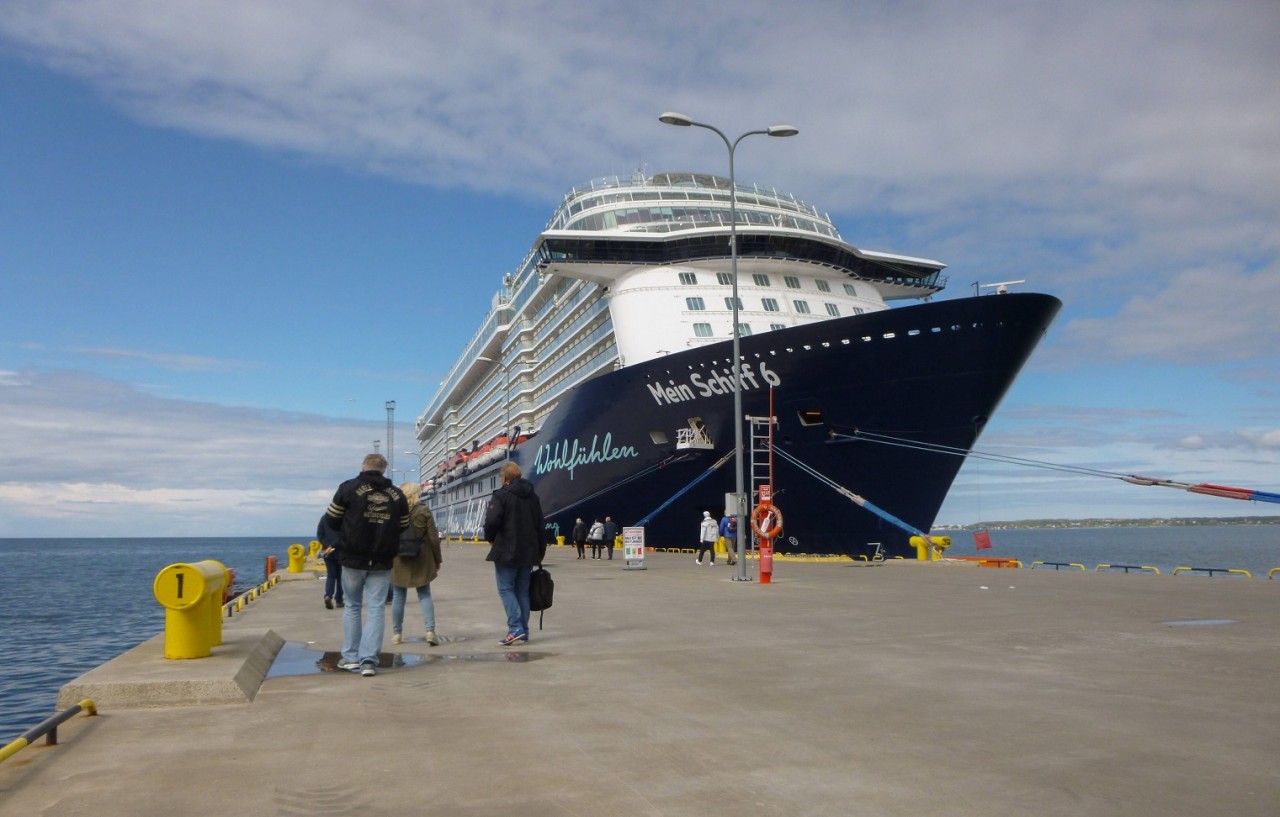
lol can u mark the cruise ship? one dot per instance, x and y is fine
(605, 368)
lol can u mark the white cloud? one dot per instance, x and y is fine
(99, 457)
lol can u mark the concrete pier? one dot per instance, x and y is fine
(897, 689)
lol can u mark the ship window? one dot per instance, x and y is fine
(724, 278)
(760, 280)
(792, 282)
(659, 437)
(770, 305)
(702, 330)
(833, 310)
(728, 303)
(690, 278)
(823, 286)
(857, 310)
(777, 326)
(694, 304)
(744, 329)
(810, 417)
(849, 290)
(802, 307)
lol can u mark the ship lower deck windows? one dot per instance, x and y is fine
(801, 306)
(744, 329)
(760, 280)
(702, 330)
(823, 286)
(770, 304)
(690, 279)
(724, 278)
(728, 303)
(791, 281)
(694, 304)
(833, 310)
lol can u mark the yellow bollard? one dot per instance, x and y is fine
(560, 541)
(192, 597)
(314, 549)
(297, 558)
(921, 546)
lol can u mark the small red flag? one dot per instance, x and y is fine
(982, 539)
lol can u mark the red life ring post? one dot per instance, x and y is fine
(766, 521)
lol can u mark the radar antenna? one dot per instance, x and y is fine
(1002, 287)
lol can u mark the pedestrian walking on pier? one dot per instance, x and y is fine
(610, 534)
(514, 526)
(595, 538)
(416, 571)
(329, 540)
(708, 531)
(580, 537)
(729, 530)
(371, 513)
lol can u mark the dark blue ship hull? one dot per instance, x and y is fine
(931, 374)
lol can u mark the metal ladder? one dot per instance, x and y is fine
(761, 472)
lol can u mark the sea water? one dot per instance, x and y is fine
(68, 605)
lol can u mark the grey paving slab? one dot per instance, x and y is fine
(902, 689)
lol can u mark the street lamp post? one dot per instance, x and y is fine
(679, 119)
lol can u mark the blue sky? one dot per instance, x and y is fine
(231, 231)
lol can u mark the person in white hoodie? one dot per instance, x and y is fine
(707, 535)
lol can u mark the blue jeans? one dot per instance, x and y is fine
(401, 594)
(513, 589)
(363, 588)
(333, 578)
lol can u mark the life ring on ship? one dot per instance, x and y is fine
(766, 511)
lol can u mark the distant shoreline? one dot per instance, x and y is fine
(1154, 522)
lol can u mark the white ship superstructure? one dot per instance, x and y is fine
(633, 269)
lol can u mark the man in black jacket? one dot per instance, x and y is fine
(371, 513)
(514, 526)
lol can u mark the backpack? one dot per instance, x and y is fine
(410, 544)
(541, 590)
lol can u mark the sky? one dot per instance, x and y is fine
(231, 231)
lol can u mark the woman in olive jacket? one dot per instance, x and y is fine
(416, 571)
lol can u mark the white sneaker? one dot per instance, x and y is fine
(396, 638)
(431, 638)
(349, 666)
(697, 561)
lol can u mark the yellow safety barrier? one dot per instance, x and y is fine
(1271, 574)
(192, 597)
(1057, 565)
(297, 558)
(313, 549)
(1127, 568)
(48, 727)
(1212, 570)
